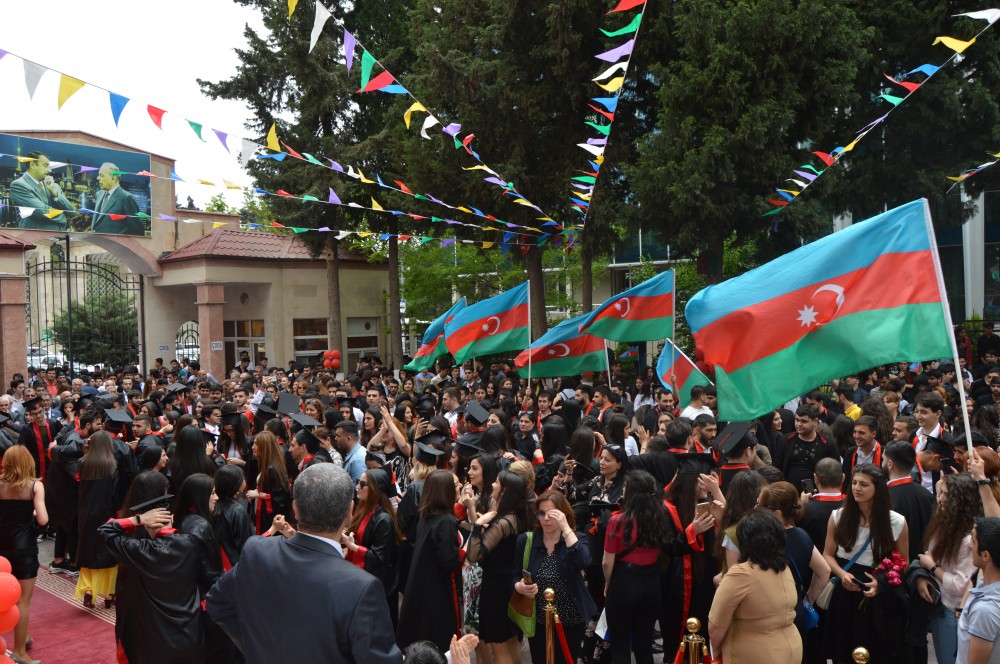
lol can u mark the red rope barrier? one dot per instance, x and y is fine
(562, 641)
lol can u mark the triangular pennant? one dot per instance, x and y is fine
(403, 187)
(247, 150)
(32, 75)
(196, 127)
(334, 199)
(313, 160)
(292, 4)
(956, 45)
(989, 15)
(376, 206)
(416, 106)
(903, 84)
(230, 185)
(631, 27)
(156, 115)
(322, 16)
(613, 85)
(309, 198)
(349, 43)
(175, 177)
(928, 70)
(367, 62)
(272, 138)
(222, 136)
(377, 83)
(892, 99)
(292, 152)
(118, 104)
(626, 5)
(68, 86)
(610, 103)
(617, 53)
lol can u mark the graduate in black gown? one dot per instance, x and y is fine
(158, 606)
(232, 523)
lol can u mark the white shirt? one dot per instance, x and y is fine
(866, 559)
(927, 481)
(331, 542)
(690, 412)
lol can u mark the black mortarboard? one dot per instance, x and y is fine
(304, 420)
(154, 408)
(476, 414)
(119, 416)
(467, 445)
(433, 437)
(232, 420)
(735, 438)
(177, 387)
(425, 406)
(376, 457)
(264, 408)
(371, 358)
(694, 463)
(31, 404)
(383, 480)
(345, 402)
(288, 403)
(160, 501)
(428, 455)
(306, 437)
(939, 446)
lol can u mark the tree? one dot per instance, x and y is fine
(105, 329)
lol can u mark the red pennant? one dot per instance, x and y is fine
(776, 202)
(117, 217)
(609, 116)
(156, 115)
(404, 237)
(275, 224)
(282, 192)
(491, 217)
(827, 159)
(293, 152)
(415, 216)
(467, 140)
(379, 82)
(404, 188)
(592, 174)
(626, 5)
(903, 84)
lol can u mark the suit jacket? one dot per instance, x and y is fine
(121, 202)
(302, 575)
(25, 192)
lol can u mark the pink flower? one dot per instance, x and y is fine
(886, 562)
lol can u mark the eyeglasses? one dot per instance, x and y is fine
(362, 484)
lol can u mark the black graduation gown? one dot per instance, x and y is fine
(128, 467)
(916, 504)
(728, 471)
(378, 550)
(233, 527)
(98, 503)
(262, 510)
(28, 439)
(157, 603)
(817, 517)
(62, 485)
(686, 582)
(219, 648)
(432, 601)
(408, 515)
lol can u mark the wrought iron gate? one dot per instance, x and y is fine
(82, 311)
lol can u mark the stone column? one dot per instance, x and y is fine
(13, 302)
(210, 299)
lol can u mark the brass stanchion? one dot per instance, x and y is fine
(861, 655)
(550, 638)
(693, 644)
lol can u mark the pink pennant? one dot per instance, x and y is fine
(282, 192)
(293, 152)
(626, 5)
(379, 82)
(146, 174)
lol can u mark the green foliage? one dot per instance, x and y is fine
(105, 329)
(218, 203)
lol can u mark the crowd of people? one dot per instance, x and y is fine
(273, 513)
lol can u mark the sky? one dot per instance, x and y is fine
(150, 52)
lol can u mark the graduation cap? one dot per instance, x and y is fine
(154, 408)
(939, 446)
(304, 420)
(176, 387)
(425, 407)
(31, 404)
(467, 445)
(383, 481)
(208, 436)
(119, 417)
(694, 463)
(371, 358)
(232, 420)
(735, 438)
(345, 402)
(288, 403)
(160, 501)
(428, 455)
(433, 437)
(306, 437)
(375, 457)
(266, 409)
(476, 414)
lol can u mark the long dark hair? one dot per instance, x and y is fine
(763, 540)
(953, 519)
(490, 473)
(683, 494)
(99, 461)
(741, 499)
(193, 498)
(614, 429)
(643, 507)
(495, 439)
(846, 533)
(438, 494)
(554, 439)
(146, 486)
(189, 456)
(375, 500)
(228, 481)
(513, 499)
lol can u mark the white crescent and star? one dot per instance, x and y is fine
(808, 316)
(554, 350)
(486, 326)
(623, 306)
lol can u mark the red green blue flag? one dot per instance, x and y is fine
(432, 344)
(678, 373)
(642, 313)
(562, 351)
(631, 354)
(870, 294)
(493, 325)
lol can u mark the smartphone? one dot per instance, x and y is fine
(808, 486)
(935, 594)
(859, 581)
(526, 577)
(702, 509)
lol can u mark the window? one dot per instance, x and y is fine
(243, 335)
(362, 339)
(309, 338)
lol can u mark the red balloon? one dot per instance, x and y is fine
(328, 364)
(10, 591)
(335, 354)
(4, 565)
(9, 618)
(4, 659)
(334, 363)
(3, 647)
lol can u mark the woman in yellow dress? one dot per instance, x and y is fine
(98, 503)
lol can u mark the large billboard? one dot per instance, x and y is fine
(57, 186)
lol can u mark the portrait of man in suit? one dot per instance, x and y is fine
(37, 189)
(113, 200)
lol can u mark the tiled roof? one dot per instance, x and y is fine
(229, 244)
(11, 241)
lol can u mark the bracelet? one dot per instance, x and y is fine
(984, 482)
(566, 533)
(935, 568)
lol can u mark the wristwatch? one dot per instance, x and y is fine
(984, 482)
(566, 533)
(935, 568)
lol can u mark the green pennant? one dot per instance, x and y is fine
(436, 220)
(892, 99)
(197, 129)
(420, 197)
(589, 179)
(425, 240)
(313, 160)
(142, 216)
(631, 27)
(367, 62)
(774, 211)
(119, 173)
(309, 198)
(299, 230)
(603, 129)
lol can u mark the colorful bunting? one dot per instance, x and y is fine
(118, 104)
(322, 16)
(956, 45)
(68, 86)
(32, 75)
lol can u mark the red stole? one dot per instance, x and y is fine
(43, 452)
(877, 459)
(697, 543)
(901, 480)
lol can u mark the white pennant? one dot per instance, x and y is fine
(610, 71)
(247, 151)
(32, 74)
(322, 16)
(25, 212)
(596, 150)
(990, 15)
(429, 122)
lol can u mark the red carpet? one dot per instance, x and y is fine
(63, 630)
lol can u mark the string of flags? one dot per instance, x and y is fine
(611, 80)
(959, 179)
(387, 83)
(807, 174)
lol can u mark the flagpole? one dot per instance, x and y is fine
(948, 322)
(530, 339)
(607, 362)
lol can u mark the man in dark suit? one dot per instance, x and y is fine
(828, 478)
(38, 191)
(112, 199)
(298, 598)
(909, 498)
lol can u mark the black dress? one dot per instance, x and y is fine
(493, 548)
(432, 601)
(17, 536)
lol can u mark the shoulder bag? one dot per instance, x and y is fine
(521, 608)
(823, 601)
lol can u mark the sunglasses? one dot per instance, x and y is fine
(362, 484)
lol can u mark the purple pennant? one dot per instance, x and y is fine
(807, 175)
(222, 136)
(616, 54)
(496, 181)
(452, 222)
(452, 129)
(167, 217)
(325, 229)
(445, 243)
(436, 200)
(2, 53)
(334, 199)
(597, 141)
(335, 166)
(349, 43)
(873, 123)
(86, 169)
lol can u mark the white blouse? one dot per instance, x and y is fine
(895, 519)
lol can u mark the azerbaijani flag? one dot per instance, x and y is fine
(631, 354)
(490, 326)
(674, 361)
(432, 344)
(870, 294)
(562, 351)
(642, 313)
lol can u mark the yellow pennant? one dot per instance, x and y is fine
(791, 191)
(850, 146)
(231, 185)
(212, 184)
(364, 179)
(613, 85)
(292, 4)
(376, 206)
(522, 201)
(52, 214)
(68, 86)
(956, 179)
(956, 45)
(417, 106)
(599, 159)
(364, 234)
(25, 159)
(272, 139)
(218, 224)
(464, 209)
(487, 245)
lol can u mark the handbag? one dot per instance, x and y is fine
(805, 612)
(521, 608)
(823, 601)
